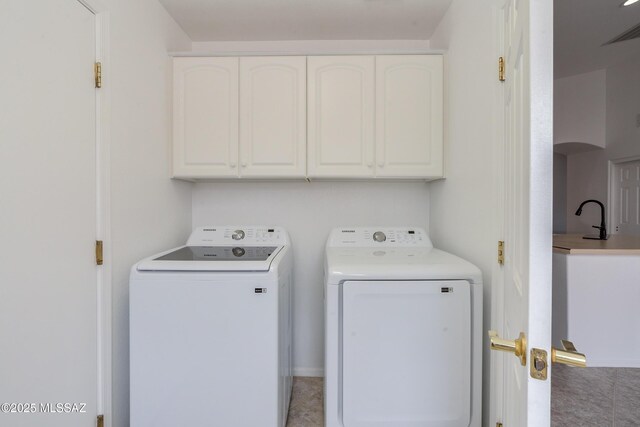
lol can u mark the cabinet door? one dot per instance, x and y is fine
(409, 116)
(205, 117)
(340, 116)
(273, 116)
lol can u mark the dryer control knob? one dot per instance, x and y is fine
(379, 236)
(238, 235)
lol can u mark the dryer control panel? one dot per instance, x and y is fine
(238, 235)
(378, 237)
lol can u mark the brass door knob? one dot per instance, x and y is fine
(518, 346)
(568, 355)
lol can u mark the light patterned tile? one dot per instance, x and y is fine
(582, 396)
(627, 397)
(579, 397)
(307, 403)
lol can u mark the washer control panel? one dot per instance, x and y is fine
(379, 237)
(238, 235)
(229, 235)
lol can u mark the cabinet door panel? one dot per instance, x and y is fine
(205, 134)
(273, 116)
(409, 115)
(341, 113)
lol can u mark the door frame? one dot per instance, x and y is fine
(103, 209)
(611, 190)
(496, 385)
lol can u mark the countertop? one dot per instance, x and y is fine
(616, 245)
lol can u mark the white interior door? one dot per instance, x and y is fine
(625, 198)
(48, 273)
(526, 286)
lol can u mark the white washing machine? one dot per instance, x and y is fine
(210, 331)
(403, 331)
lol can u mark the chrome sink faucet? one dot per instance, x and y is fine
(603, 226)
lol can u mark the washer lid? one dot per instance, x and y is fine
(343, 263)
(212, 258)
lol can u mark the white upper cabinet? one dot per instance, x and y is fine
(205, 122)
(409, 116)
(273, 116)
(318, 116)
(340, 116)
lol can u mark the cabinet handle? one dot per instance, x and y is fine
(380, 165)
(370, 164)
(244, 164)
(232, 165)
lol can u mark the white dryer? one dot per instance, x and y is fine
(210, 331)
(403, 331)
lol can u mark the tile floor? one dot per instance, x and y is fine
(595, 397)
(590, 397)
(307, 403)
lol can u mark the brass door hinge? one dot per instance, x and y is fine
(100, 421)
(501, 69)
(501, 252)
(97, 71)
(99, 257)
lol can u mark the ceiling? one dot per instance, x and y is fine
(270, 20)
(582, 26)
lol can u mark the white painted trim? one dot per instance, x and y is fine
(103, 209)
(611, 190)
(308, 53)
(496, 393)
(539, 36)
(308, 372)
(611, 170)
(310, 47)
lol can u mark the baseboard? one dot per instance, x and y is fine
(606, 362)
(308, 372)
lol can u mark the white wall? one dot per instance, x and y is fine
(579, 108)
(149, 211)
(580, 128)
(605, 104)
(586, 179)
(559, 193)
(463, 206)
(308, 211)
(623, 110)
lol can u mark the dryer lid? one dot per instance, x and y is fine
(396, 264)
(391, 253)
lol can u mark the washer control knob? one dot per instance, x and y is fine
(379, 236)
(238, 235)
(238, 252)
